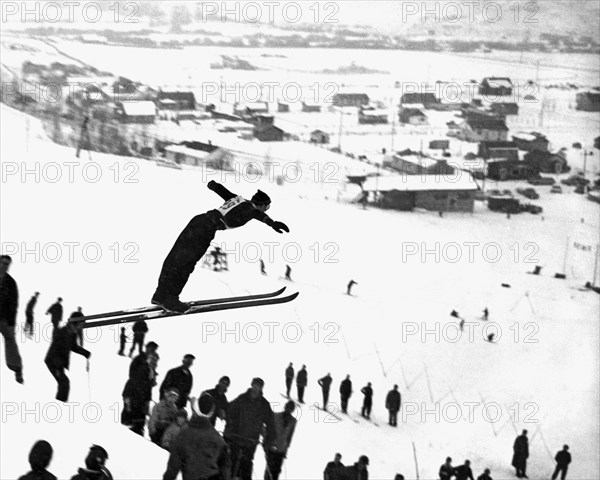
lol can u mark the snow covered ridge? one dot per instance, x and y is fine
(441, 374)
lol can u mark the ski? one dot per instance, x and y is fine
(367, 419)
(205, 308)
(154, 308)
(339, 419)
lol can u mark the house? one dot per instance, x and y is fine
(481, 127)
(251, 108)
(412, 116)
(430, 192)
(530, 142)
(350, 99)
(136, 112)
(588, 101)
(214, 157)
(503, 203)
(547, 162)
(372, 115)
(504, 108)
(427, 99)
(175, 100)
(319, 137)
(311, 107)
(283, 107)
(268, 133)
(439, 144)
(498, 150)
(496, 87)
(501, 169)
(413, 163)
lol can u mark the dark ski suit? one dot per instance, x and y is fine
(194, 240)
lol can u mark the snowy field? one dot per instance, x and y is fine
(463, 396)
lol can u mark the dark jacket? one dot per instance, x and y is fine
(563, 458)
(86, 474)
(285, 425)
(31, 304)
(463, 472)
(325, 382)
(446, 471)
(221, 404)
(179, 377)
(63, 343)
(9, 300)
(245, 419)
(140, 327)
(346, 388)
(236, 211)
(302, 378)
(521, 446)
(141, 379)
(351, 473)
(56, 312)
(368, 393)
(393, 400)
(198, 452)
(38, 475)
(331, 470)
(289, 373)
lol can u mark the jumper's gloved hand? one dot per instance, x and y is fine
(280, 227)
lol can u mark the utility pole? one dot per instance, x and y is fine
(340, 130)
(585, 155)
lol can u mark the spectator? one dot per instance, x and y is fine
(173, 430)
(521, 454)
(289, 379)
(180, 378)
(221, 403)
(399, 477)
(39, 460)
(56, 313)
(276, 452)
(446, 470)
(198, 451)
(29, 314)
(332, 468)
(9, 302)
(368, 400)
(345, 393)
(247, 416)
(163, 414)
(122, 341)
(138, 389)
(58, 358)
(140, 329)
(563, 459)
(78, 314)
(485, 475)
(325, 384)
(393, 403)
(94, 466)
(358, 471)
(301, 382)
(464, 471)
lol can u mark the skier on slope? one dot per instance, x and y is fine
(195, 239)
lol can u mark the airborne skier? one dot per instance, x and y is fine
(194, 241)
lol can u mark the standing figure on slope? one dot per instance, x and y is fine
(351, 283)
(262, 267)
(520, 455)
(29, 314)
(195, 239)
(276, 451)
(345, 393)
(325, 384)
(301, 383)
(56, 313)
(288, 273)
(368, 401)
(289, 379)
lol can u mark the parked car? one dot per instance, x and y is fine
(541, 181)
(507, 192)
(529, 193)
(529, 207)
(581, 189)
(556, 189)
(495, 193)
(575, 180)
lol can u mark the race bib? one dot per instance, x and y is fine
(230, 205)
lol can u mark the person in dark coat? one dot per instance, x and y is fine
(301, 382)
(289, 378)
(180, 378)
(221, 403)
(521, 454)
(247, 416)
(393, 402)
(56, 313)
(333, 467)
(367, 401)
(288, 273)
(29, 313)
(95, 468)
(262, 267)
(39, 460)
(58, 358)
(140, 329)
(9, 303)
(137, 392)
(563, 459)
(199, 452)
(325, 384)
(345, 393)
(358, 471)
(485, 475)
(351, 283)
(464, 472)
(78, 314)
(195, 239)
(446, 470)
(276, 452)
(122, 342)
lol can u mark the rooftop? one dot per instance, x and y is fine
(412, 183)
